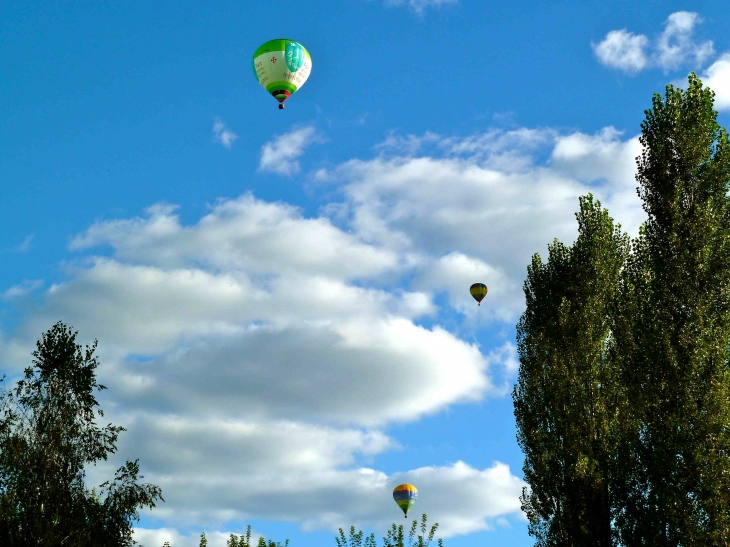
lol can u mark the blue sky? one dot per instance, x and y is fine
(281, 297)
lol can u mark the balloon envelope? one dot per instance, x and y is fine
(478, 291)
(282, 66)
(405, 496)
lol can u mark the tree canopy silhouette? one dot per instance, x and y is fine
(47, 436)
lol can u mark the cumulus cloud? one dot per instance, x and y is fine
(248, 366)
(419, 6)
(257, 353)
(673, 48)
(454, 271)
(260, 465)
(243, 233)
(484, 207)
(717, 78)
(346, 371)
(280, 155)
(465, 498)
(623, 50)
(675, 45)
(222, 134)
(146, 537)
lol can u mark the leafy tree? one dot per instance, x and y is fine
(672, 330)
(623, 396)
(47, 435)
(242, 541)
(356, 539)
(393, 539)
(565, 383)
(262, 543)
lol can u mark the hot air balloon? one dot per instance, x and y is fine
(282, 66)
(405, 496)
(478, 291)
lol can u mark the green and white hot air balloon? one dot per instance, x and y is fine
(281, 67)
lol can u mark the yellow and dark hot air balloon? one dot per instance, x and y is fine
(282, 66)
(405, 496)
(478, 291)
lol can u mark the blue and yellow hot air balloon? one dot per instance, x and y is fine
(405, 496)
(282, 66)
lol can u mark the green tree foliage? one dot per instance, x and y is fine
(355, 539)
(262, 543)
(623, 395)
(672, 330)
(243, 541)
(565, 380)
(394, 537)
(47, 435)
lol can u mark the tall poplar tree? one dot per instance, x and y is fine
(623, 396)
(565, 381)
(672, 330)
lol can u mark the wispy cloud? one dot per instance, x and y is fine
(280, 155)
(673, 48)
(675, 45)
(419, 6)
(24, 288)
(406, 146)
(222, 134)
(25, 246)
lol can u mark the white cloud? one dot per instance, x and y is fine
(623, 50)
(600, 156)
(506, 358)
(258, 354)
(280, 155)
(23, 247)
(418, 6)
(484, 208)
(156, 537)
(222, 134)
(495, 148)
(346, 371)
(408, 145)
(466, 499)
(244, 233)
(455, 271)
(673, 48)
(27, 287)
(675, 45)
(717, 78)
